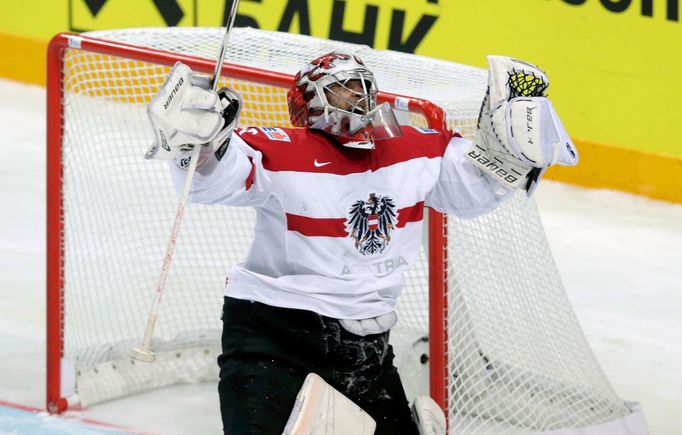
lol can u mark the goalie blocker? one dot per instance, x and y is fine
(519, 132)
(185, 113)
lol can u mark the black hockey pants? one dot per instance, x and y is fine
(268, 351)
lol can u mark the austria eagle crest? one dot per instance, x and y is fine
(371, 222)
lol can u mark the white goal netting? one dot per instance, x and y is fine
(517, 361)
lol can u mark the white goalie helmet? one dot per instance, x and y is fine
(337, 93)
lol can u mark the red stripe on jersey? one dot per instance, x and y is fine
(336, 227)
(249, 179)
(413, 213)
(314, 151)
(312, 227)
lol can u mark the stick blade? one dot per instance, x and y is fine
(142, 355)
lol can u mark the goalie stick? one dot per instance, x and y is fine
(144, 353)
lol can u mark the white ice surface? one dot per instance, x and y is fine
(620, 257)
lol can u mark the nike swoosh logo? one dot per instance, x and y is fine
(319, 165)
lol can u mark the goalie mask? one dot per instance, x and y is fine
(337, 93)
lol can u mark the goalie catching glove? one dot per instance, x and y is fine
(519, 132)
(185, 113)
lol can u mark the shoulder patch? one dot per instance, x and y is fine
(426, 130)
(275, 133)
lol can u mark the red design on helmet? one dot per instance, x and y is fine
(325, 64)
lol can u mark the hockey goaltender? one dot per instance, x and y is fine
(306, 316)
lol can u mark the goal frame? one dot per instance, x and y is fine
(437, 229)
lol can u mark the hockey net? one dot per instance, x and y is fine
(505, 351)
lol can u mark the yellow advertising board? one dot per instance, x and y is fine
(614, 65)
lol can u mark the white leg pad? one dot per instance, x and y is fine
(322, 410)
(428, 416)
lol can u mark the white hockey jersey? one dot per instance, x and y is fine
(337, 227)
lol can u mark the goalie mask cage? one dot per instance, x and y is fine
(505, 352)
